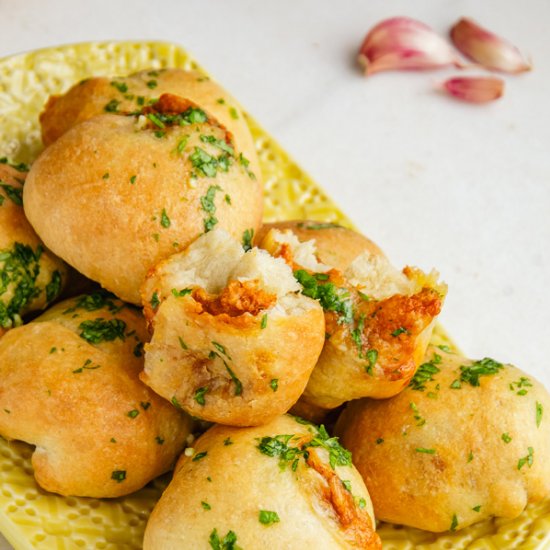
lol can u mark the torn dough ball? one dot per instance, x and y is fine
(31, 276)
(466, 441)
(116, 194)
(233, 340)
(100, 95)
(378, 320)
(302, 492)
(69, 385)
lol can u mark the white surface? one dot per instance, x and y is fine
(435, 182)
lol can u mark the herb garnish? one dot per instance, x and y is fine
(88, 365)
(329, 296)
(208, 205)
(199, 456)
(112, 106)
(539, 413)
(263, 323)
(229, 542)
(454, 524)
(506, 438)
(527, 459)
(424, 374)
(485, 367)
(199, 395)
(426, 451)
(119, 475)
(15, 194)
(274, 384)
(268, 517)
(248, 235)
(101, 330)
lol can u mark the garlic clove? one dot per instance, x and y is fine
(486, 48)
(402, 43)
(475, 89)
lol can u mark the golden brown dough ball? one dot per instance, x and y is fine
(335, 245)
(116, 194)
(283, 485)
(467, 440)
(233, 340)
(101, 95)
(31, 276)
(378, 320)
(69, 385)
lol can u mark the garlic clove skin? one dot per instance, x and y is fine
(475, 89)
(402, 43)
(486, 48)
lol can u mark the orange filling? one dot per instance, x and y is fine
(236, 299)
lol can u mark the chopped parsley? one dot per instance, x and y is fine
(470, 457)
(219, 143)
(133, 413)
(274, 384)
(425, 451)
(539, 412)
(279, 446)
(175, 402)
(208, 165)
(424, 374)
(268, 517)
(527, 459)
(159, 440)
(229, 542)
(88, 365)
(454, 524)
(138, 349)
(208, 205)
(101, 330)
(263, 323)
(145, 405)
(236, 381)
(155, 300)
(19, 270)
(205, 505)
(94, 301)
(118, 475)
(227, 441)
(398, 331)
(520, 385)
(233, 113)
(53, 288)
(477, 508)
(164, 219)
(152, 84)
(506, 438)
(199, 395)
(15, 194)
(122, 87)
(330, 297)
(183, 345)
(379, 441)
(484, 367)
(199, 456)
(21, 167)
(372, 358)
(112, 106)
(248, 235)
(181, 293)
(417, 416)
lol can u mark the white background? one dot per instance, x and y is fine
(435, 182)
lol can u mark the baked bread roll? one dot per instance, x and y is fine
(300, 491)
(69, 385)
(378, 320)
(233, 340)
(335, 245)
(31, 276)
(138, 188)
(100, 95)
(467, 440)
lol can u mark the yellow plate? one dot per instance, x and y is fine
(32, 518)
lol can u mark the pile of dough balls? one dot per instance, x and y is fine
(201, 329)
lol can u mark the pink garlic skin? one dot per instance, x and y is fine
(402, 43)
(475, 89)
(486, 48)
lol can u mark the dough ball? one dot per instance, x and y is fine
(116, 194)
(233, 340)
(31, 276)
(69, 385)
(283, 485)
(378, 320)
(466, 441)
